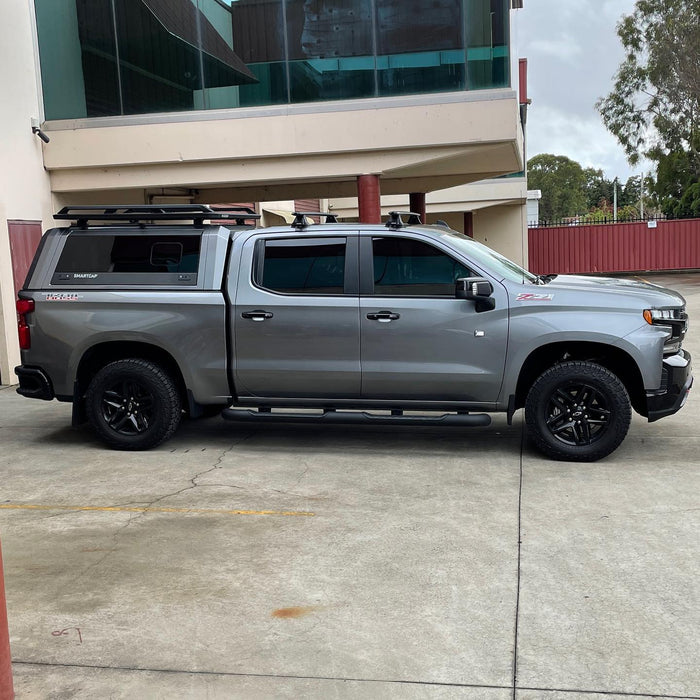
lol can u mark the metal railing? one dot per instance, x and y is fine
(592, 220)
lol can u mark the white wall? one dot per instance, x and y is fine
(24, 185)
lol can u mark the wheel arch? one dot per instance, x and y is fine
(618, 361)
(97, 356)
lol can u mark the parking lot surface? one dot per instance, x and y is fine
(322, 562)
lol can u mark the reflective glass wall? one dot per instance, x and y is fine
(114, 57)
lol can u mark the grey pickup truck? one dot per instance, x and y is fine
(140, 315)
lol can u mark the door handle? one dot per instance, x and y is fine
(383, 316)
(257, 315)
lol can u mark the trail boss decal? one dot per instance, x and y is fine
(529, 296)
(63, 296)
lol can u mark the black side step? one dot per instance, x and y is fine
(354, 417)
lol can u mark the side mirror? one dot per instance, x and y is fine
(476, 289)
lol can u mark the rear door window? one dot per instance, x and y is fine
(302, 266)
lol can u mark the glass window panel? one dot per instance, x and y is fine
(331, 49)
(124, 253)
(78, 51)
(61, 57)
(487, 44)
(420, 50)
(159, 59)
(251, 69)
(110, 57)
(406, 267)
(314, 266)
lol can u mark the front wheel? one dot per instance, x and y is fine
(133, 404)
(578, 412)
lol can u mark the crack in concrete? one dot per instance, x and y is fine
(150, 504)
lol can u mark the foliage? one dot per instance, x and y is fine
(655, 103)
(562, 182)
(598, 188)
(677, 186)
(654, 108)
(568, 190)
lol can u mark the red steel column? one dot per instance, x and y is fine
(522, 81)
(417, 204)
(6, 688)
(469, 224)
(368, 199)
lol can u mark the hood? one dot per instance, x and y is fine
(651, 295)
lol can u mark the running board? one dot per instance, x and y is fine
(354, 417)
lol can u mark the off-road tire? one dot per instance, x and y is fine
(577, 412)
(133, 404)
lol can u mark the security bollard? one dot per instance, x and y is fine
(7, 691)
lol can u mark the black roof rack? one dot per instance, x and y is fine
(395, 220)
(300, 218)
(197, 213)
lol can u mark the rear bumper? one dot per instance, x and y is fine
(34, 383)
(676, 380)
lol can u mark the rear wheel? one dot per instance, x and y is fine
(578, 411)
(133, 404)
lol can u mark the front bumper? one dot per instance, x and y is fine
(676, 380)
(34, 383)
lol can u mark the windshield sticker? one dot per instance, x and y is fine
(529, 296)
(63, 296)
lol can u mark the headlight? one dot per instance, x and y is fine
(659, 315)
(675, 320)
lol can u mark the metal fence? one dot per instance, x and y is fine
(651, 244)
(586, 220)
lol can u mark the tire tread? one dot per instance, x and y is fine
(618, 396)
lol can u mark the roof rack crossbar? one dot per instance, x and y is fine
(395, 220)
(300, 217)
(197, 213)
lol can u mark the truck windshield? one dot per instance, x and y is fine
(494, 262)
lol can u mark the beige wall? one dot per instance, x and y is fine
(418, 143)
(503, 228)
(24, 184)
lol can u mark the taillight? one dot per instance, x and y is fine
(24, 306)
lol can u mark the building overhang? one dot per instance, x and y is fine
(471, 197)
(415, 144)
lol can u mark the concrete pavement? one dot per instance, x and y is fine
(351, 562)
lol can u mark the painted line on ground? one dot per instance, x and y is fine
(146, 509)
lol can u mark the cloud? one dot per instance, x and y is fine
(560, 48)
(581, 138)
(573, 53)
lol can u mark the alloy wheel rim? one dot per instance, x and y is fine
(127, 407)
(577, 414)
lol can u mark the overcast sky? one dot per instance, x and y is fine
(573, 52)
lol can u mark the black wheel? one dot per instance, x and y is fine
(578, 412)
(133, 404)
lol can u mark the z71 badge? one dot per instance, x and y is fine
(62, 296)
(529, 296)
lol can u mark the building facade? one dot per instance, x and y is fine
(215, 101)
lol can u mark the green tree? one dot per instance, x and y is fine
(677, 186)
(598, 189)
(629, 193)
(562, 182)
(654, 107)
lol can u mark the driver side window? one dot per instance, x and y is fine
(407, 267)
